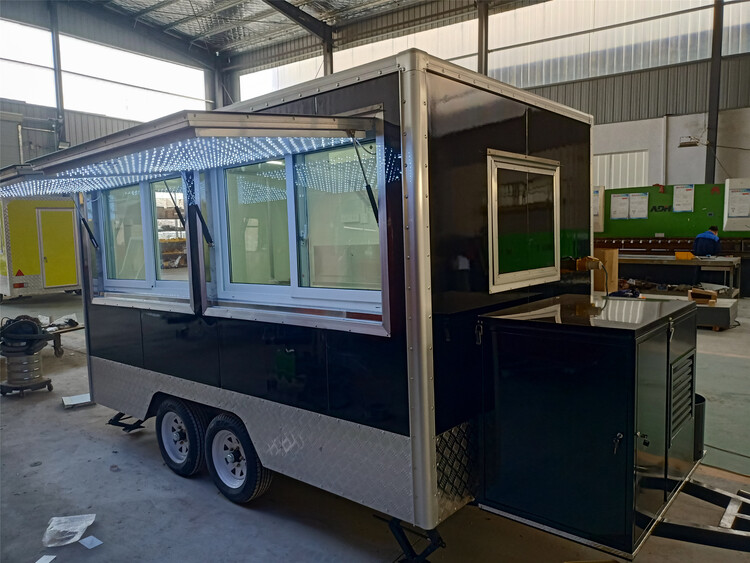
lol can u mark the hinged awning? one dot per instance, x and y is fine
(183, 141)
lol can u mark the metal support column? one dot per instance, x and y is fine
(713, 91)
(327, 57)
(218, 87)
(483, 18)
(54, 29)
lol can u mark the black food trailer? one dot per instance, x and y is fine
(360, 282)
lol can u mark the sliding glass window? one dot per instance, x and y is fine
(123, 232)
(170, 243)
(338, 236)
(258, 226)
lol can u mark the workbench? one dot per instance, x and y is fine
(729, 265)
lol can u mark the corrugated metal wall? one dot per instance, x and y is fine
(39, 137)
(674, 90)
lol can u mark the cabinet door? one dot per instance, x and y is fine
(553, 407)
(650, 429)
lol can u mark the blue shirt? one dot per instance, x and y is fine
(706, 244)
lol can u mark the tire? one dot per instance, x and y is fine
(181, 431)
(240, 478)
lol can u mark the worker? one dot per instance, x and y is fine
(707, 244)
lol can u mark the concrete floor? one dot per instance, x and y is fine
(58, 462)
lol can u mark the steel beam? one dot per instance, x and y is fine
(714, 85)
(316, 27)
(57, 69)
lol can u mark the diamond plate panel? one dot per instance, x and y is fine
(456, 467)
(369, 466)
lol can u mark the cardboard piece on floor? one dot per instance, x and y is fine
(90, 542)
(77, 401)
(45, 558)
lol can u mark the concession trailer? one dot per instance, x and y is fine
(360, 282)
(38, 247)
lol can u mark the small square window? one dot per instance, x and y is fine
(524, 218)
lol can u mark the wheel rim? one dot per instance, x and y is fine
(174, 437)
(228, 458)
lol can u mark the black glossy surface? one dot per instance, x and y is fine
(553, 409)
(567, 141)
(624, 314)
(464, 122)
(367, 380)
(115, 333)
(281, 363)
(562, 378)
(185, 346)
(359, 378)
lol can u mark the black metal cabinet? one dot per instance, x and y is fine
(587, 409)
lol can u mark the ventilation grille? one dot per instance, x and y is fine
(682, 392)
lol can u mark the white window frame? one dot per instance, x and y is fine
(167, 289)
(501, 160)
(294, 295)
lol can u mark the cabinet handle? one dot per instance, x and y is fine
(616, 441)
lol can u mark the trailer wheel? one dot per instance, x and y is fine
(180, 431)
(232, 461)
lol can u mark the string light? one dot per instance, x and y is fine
(336, 175)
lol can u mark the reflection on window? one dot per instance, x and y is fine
(339, 245)
(123, 232)
(170, 242)
(526, 221)
(258, 225)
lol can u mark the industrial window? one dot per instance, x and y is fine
(258, 224)
(524, 220)
(123, 232)
(338, 237)
(26, 64)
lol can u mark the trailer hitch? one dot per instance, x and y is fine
(733, 532)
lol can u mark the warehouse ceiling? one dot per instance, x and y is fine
(230, 27)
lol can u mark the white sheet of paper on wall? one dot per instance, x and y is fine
(638, 206)
(739, 202)
(619, 206)
(683, 198)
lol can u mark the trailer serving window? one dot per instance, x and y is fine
(299, 234)
(338, 243)
(524, 220)
(251, 216)
(145, 250)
